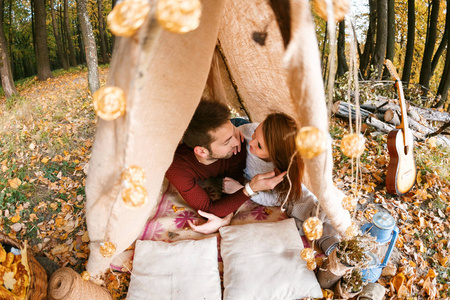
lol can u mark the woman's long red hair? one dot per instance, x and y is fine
(279, 132)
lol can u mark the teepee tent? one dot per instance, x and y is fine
(239, 53)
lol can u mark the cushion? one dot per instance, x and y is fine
(185, 269)
(262, 261)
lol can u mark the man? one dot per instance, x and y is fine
(212, 148)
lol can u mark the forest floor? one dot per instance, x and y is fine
(46, 134)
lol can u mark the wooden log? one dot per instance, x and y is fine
(391, 117)
(427, 113)
(341, 109)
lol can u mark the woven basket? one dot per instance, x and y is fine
(37, 289)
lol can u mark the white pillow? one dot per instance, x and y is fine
(182, 270)
(262, 261)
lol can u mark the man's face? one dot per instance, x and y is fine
(224, 142)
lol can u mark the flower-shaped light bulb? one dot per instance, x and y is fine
(311, 141)
(128, 16)
(134, 174)
(179, 16)
(351, 231)
(340, 8)
(109, 102)
(352, 145)
(85, 276)
(349, 203)
(107, 249)
(313, 228)
(311, 264)
(135, 195)
(307, 254)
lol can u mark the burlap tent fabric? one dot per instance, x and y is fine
(163, 89)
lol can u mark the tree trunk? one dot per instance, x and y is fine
(342, 62)
(102, 32)
(42, 58)
(425, 71)
(323, 61)
(390, 46)
(81, 54)
(381, 40)
(73, 60)
(368, 46)
(5, 67)
(443, 43)
(10, 35)
(63, 34)
(61, 56)
(406, 76)
(90, 47)
(444, 85)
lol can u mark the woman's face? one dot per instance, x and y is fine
(258, 144)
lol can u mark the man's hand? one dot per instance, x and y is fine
(266, 181)
(212, 225)
(230, 186)
(240, 137)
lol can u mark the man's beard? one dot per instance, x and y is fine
(214, 156)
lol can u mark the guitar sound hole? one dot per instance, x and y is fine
(406, 150)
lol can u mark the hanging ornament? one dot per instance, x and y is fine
(313, 228)
(109, 102)
(349, 203)
(179, 16)
(107, 249)
(134, 195)
(307, 254)
(128, 16)
(85, 276)
(134, 174)
(351, 231)
(311, 264)
(340, 8)
(310, 141)
(353, 145)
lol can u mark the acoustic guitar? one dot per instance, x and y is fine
(401, 172)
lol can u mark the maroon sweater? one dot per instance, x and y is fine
(186, 170)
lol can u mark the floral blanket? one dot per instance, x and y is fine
(169, 224)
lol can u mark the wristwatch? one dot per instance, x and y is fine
(249, 189)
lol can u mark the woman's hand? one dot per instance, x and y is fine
(230, 186)
(240, 137)
(212, 225)
(266, 181)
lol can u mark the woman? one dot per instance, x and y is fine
(271, 146)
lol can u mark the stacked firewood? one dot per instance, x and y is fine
(384, 114)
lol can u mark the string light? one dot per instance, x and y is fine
(310, 141)
(313, 228)
(85, 276)
(127, 17)
(340, 8)
(179, 16)
(353, 145)
(307, 254)
(351, 231)
(134, 195)
(107, 249)
(109, 102)
(311, 264)
(134, 174)
(349, 203)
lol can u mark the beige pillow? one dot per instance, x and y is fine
(262, 261)
(182, 270)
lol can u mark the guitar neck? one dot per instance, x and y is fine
(401, 99)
